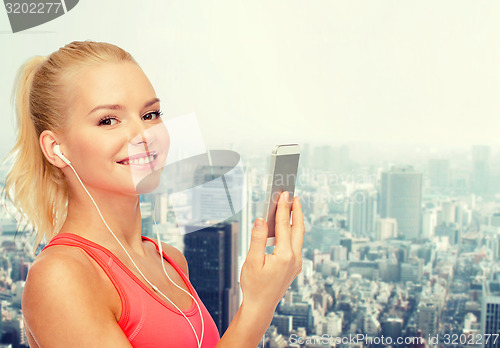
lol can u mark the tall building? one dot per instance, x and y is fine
(429, 222)
(490, 314)
(212, 255)
(301, 313)
(481, 169)
(362, 213)
(448, 212)
(392, 327)
(427, 318)
(401, 199)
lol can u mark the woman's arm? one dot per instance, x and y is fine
(265, 278)
(62, 306)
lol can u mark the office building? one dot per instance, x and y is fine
(490, 313)
(481, 158)
(401, 199)
(427, 318)
(212, 256)
(362, 213)
(429, 222)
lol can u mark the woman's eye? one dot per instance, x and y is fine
(152, 115)
(107, 121)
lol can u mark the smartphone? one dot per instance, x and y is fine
(282, 177)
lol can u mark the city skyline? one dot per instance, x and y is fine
(355, 280)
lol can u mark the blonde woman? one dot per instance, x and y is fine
(89, 124)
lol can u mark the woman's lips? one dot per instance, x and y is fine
(140, 159)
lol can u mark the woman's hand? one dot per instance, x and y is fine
(266, 277)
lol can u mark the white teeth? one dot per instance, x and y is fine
(140, 161)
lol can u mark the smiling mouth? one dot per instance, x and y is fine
(138, 160)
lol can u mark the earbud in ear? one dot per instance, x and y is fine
(58, 153)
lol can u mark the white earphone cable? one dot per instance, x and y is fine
(161, 257)
(165, 271)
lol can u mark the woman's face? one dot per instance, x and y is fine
(115, 137)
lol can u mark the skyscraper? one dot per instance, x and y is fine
(401, 199)
(212, 255)
(481, 169)
(427, 318)
(362, 212)
(490, 314)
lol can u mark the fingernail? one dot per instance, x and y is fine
(285, 196)
(259, 222)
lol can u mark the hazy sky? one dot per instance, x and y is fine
(266, 72)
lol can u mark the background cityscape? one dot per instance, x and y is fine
(404, 247)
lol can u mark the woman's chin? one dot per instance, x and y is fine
(148, 183)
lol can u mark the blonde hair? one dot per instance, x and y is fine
(36, 188)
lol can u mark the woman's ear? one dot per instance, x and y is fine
(47, 142)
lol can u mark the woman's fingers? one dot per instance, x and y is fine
(297, 226)
(282, 229)
(256, 251)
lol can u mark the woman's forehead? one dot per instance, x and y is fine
(120, 83)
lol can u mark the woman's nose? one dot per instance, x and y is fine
(139, 134)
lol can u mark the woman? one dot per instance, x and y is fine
(89, 129)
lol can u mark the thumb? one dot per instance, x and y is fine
(258, 241)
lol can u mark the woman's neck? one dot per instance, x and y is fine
(121, 213)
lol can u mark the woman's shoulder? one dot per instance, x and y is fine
(62, 274)
(58, 267)
(62, 298)
(60, 271)
(59, 258)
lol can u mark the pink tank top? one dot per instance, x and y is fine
(147, 320)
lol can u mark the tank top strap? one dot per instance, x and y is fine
(96, 251)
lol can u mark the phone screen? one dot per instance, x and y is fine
(284, 177)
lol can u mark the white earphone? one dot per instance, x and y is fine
(58, 153)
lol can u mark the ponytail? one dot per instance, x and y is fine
(36, 188)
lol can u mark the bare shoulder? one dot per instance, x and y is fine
(55, 268)
(61, 274)
(176, 255)
(60, 304)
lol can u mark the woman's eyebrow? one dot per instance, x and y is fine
(120, 107)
